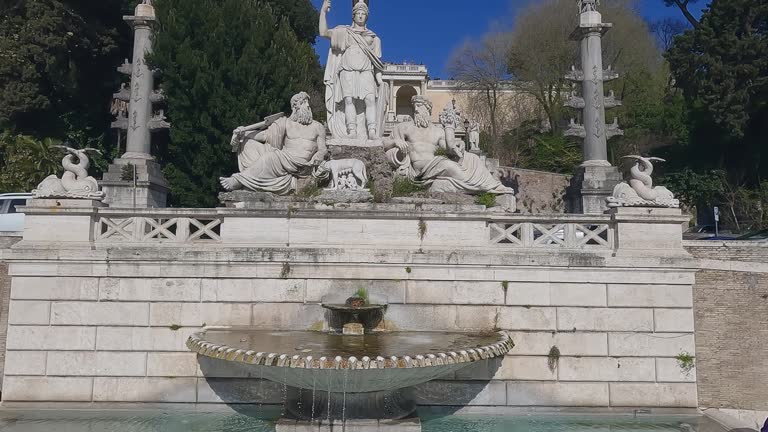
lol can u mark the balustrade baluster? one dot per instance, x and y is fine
(182, 230)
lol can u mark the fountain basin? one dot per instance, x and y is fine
(355, 364)
(369, 316)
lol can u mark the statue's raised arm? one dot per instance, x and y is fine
(323, 20)
(355, 97)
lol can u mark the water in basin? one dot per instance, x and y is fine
(246, 420)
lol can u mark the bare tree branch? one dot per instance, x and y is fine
(481, 67)
(683, 6)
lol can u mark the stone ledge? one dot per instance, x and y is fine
(681, 395)
(48, 389)
(499, 264)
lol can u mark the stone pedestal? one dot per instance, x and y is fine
(148, 190)
(348, 142)
(590, 187)
(646, 229)
(60, 220)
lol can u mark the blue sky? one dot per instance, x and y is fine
(446, 24)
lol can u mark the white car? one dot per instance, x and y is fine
(10, 219)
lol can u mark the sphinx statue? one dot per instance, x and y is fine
(273, 154)
(75, 182)
(356, 96)
(639, 191)
(414, 147)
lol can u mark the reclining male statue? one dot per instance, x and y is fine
(413, 148)
(273, 159)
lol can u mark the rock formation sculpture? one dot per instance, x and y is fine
(274, 154)
(75, 182)
(414, 147)
(355, 96)
(639, 191)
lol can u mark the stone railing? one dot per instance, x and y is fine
(390, 67)
(363, 225)
(506, 231)
(566, 235)
(157, 229)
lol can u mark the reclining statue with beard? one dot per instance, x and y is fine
(274, 158)
(413, 148)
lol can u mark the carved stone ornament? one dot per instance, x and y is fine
(450, 117)
(638, 191)
(588, 5)
(474, 136)
(75, 183)
(346, 174)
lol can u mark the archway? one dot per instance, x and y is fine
(404, 107)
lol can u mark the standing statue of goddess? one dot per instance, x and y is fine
(355, 94)
(474, 136)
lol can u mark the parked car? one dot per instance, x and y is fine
(761, 235)
(706, 232)
(10, 219)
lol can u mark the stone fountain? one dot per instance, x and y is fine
(336, 375)
(104, 297)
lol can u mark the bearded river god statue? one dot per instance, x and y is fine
(273, 154)
(413, 149)
(355, 95)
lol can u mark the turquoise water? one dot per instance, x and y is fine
(563, 423)
(136, 421)
(263, 420)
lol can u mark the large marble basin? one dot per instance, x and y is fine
(328, 362)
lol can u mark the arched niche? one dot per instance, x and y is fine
(403, 105)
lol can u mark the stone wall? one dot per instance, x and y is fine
(537, 191)
(6, 241)
(731, 316)
(105, 320)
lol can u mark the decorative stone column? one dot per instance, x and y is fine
(135, 179)
(392, 116)
(595, 178)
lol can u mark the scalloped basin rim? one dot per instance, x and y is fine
(320, 350)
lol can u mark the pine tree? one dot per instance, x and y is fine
(225, 63)
(722, 67)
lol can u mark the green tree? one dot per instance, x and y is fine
(25, 161)
(722, 68)
(224, 64)
(57, 76)
(683, 6)
(696, 188)
(57, 65)
(541, 52)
